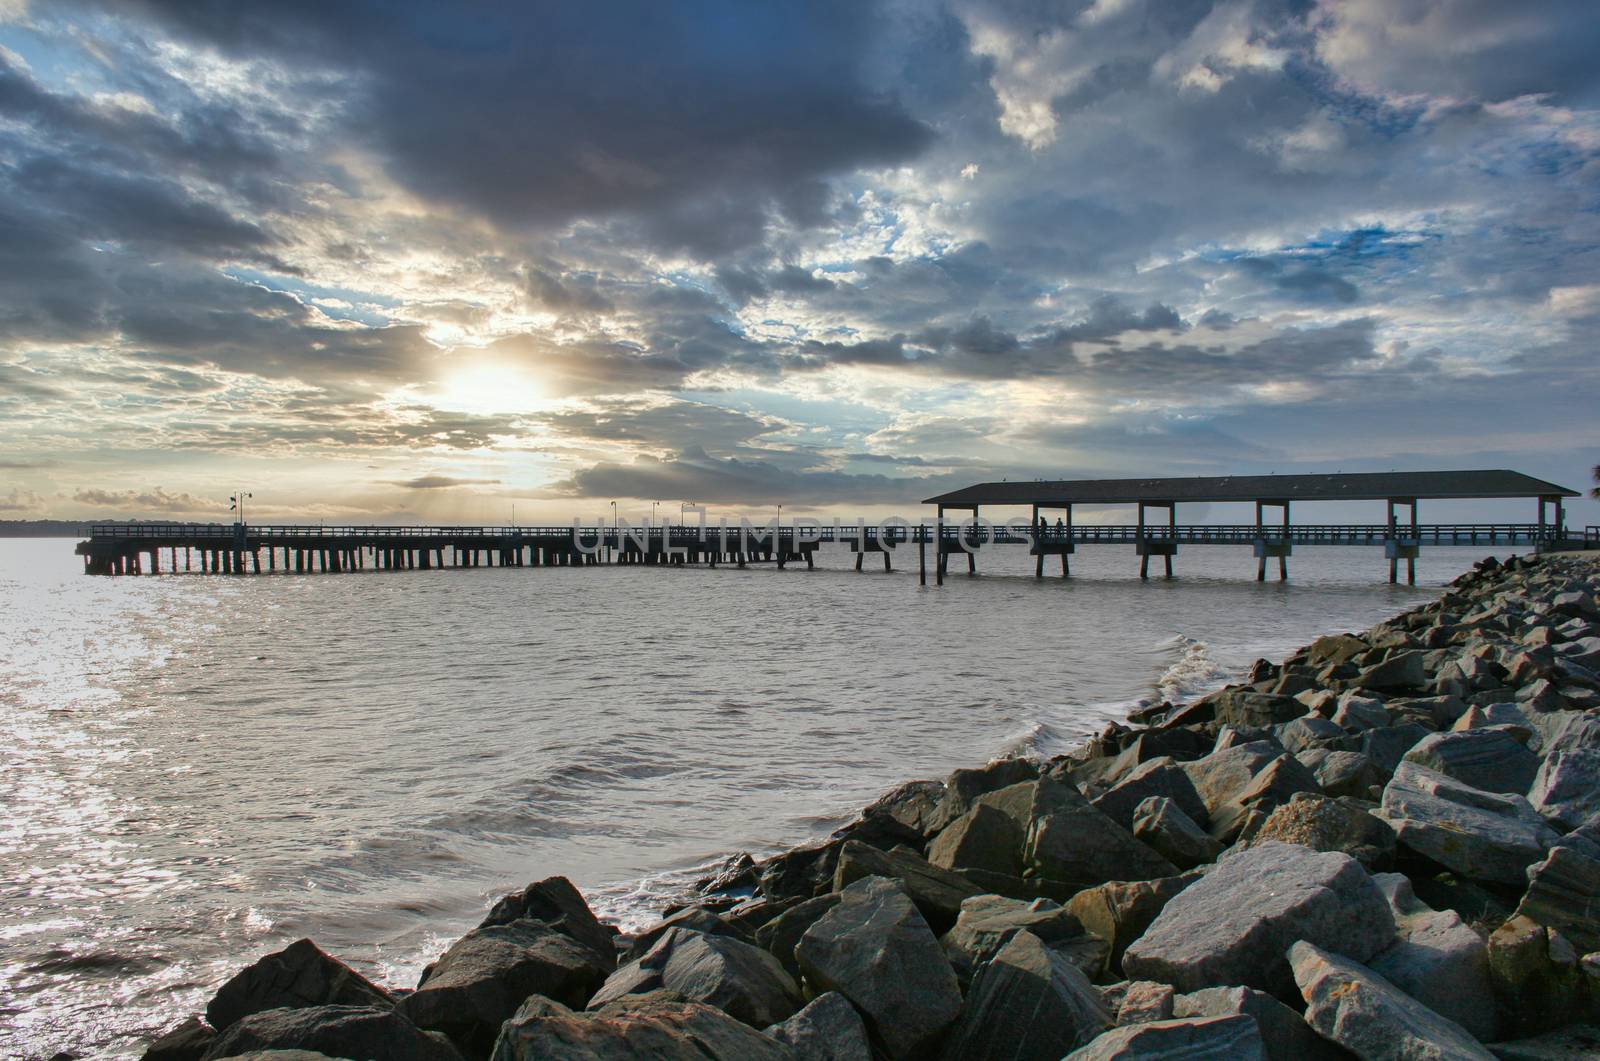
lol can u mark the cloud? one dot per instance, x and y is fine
(20, 500)
(439, 482)
(154, 500)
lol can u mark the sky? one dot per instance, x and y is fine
(394, 262)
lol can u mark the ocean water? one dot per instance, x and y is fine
(200, 769)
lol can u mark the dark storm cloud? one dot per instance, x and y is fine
(694, 120)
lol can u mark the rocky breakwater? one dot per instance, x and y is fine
(1386, 846)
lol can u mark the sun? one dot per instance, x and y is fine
(486, 387)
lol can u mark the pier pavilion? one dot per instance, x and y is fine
(1402, 539)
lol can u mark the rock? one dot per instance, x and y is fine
(1335, 648)
(1576, 1042)
(1239, 736)
(1363, 1012)
(1483, 835)
(299, 975)
(735, 873)
(747, 917)
(1437, 960)
(1564, 894)
(1235, 924)
(1027, 1004)
(1222, 775)
(1538, 984)
(1234, 1038)
(1507, 716)
(984, 838)
(1566, 787)
(1344, 773)
(1145, 1001)
(694, 918)
(1242, 706)
(280, 1055)
(963, 787)
(1119, 912)
(915, 804)
(558, 904)
(1563, 731)
(779, 936)
(1541, 697)
(828, 1029)
(485, 975)
(1387, 745)
(1309, 732)
(1356, 713)
(652, 1027)
(1324, 824)
(1278, 782)
(1490, 759)
(1284, 1033)
(1400, 672)
(1158, 777)
(877, 950)
(338, 1031)
(988, 922)
(1072, 844)
(1169, 832)
(937, 892)
(743, 981)
(188, 1041)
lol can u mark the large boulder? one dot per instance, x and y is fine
(1344, 773)
(1219, 777)
(1243, 706)
(1284, 1033)
(779, 936)
(557, 903)
(1235, 924)
(1158, 777)
(1027, 1004)
(1399, 672)
(828, 1029)
(188, 1041)
(1119, 912)
(985, 839)
(1277, 783)
(653, 1027)
(988, 922)
(1227, 1038)
(1438, 960)
(743, 981)
(1387, 745)
(914, 804)
(1564, 894)
(299, 975)
(1070, 844)
(693, 918)
(1487, 836)
(876, 950)
(362, 1032)
(1367, 1015)
(1162, 825)
(1490, 759)
(937, 892)
(963, 787)
(485, 975)
(1324, 824)
(1566, 788)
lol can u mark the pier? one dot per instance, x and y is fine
(240, 549)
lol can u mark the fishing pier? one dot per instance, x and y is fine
(239, 549)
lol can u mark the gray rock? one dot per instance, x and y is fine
(1284, 1033)
(1490, 759)
(1507, 716)
(1219, 777)
(1158, 777)
(338, 1031)
(743, 981)
(299, 975)
(1309, 732)
(1387, 745)
(1356, 713)
(988, 922)
(1400, 672)
(652, 1027)
(963, 787)
(779, 936)
(485, 975)
(1235, 924)
(1538, 981)
(558, 904)
(1566, 787)
(1577, 1042)
(188, 1041)
(1364, 1013)
(693, 918)
(1438, 960)
(877, 950)
(984, 839)
(1145, 1001)
(1028, 1004)
(1324, 824)
(1119, 912)
(1486, 836)
(937, 892)
(1344, 773)
(1277, 783)
(915, 804)
(1242, 706)
(1564, 894)
(1071, 843)
(282, 1055)
(1232, 1038)
(828, 1029)
(1172, 834)
(1564, 731)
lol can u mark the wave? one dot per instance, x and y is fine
(1193, 674)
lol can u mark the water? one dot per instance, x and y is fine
(198, 770)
